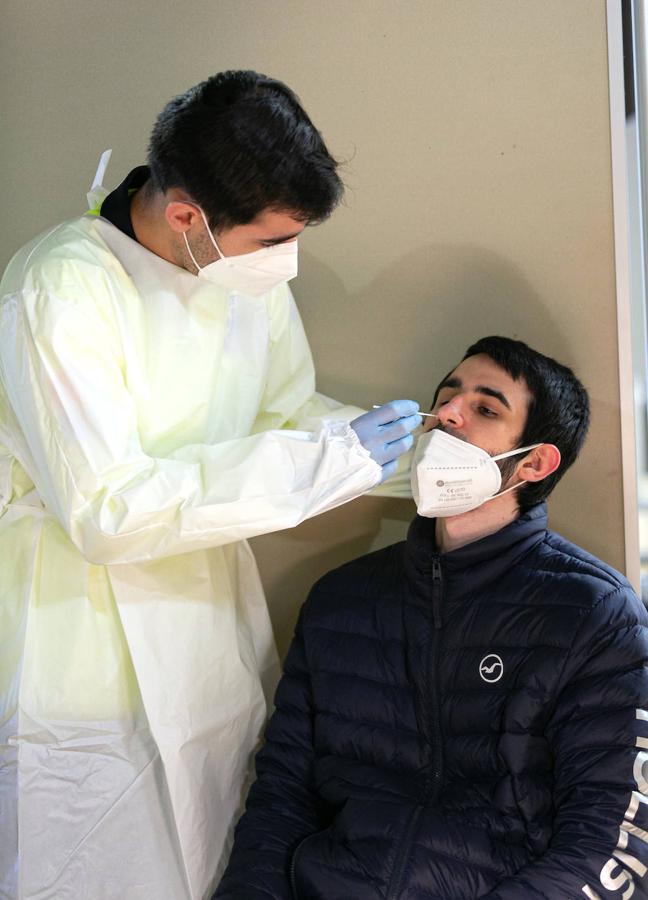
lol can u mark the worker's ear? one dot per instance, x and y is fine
(180, 213)
(538, 463)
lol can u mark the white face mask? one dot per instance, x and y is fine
(451, 476)
(250, 273)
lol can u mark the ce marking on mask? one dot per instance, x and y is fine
(491, 668)
(452, 490)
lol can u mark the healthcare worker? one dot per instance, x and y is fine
(157, 407)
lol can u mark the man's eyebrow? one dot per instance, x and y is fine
(279, 240)
(451, 381)
(490, 392)
(454, 382)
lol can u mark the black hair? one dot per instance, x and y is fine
(558, 410)
(239, 143)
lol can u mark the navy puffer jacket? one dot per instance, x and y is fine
(462, 725)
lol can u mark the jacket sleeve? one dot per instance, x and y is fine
(598, 735)
(282, 807)
(76, 434)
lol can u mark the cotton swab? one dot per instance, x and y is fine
(431, 415)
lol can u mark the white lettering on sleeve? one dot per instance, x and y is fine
(613, 874)
(615, 882)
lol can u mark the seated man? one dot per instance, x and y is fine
(464, 714)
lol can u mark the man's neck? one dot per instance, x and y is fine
(147, 217)
(453, 532)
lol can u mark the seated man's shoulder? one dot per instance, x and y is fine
(359, 584)
(584, 580)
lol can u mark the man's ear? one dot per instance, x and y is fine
(539, 462)
(180, 212)
(180, 216)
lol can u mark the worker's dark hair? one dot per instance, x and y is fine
(239, 143)
(558, 410)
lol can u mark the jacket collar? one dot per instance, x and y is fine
(468, 568)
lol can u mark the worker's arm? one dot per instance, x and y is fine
(75, 431)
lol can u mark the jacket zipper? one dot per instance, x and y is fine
(394, 888)
(291, 875)
(433, 728)
(432, 680)
(437, 591)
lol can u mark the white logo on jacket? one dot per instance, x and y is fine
(617, 871)
(491, 668)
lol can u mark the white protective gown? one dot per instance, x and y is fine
(149, 423)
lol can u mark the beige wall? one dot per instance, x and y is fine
(476, 136)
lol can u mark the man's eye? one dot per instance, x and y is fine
(486, 411)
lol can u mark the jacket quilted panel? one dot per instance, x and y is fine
(456, 726)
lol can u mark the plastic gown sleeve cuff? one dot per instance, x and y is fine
(398, 486)
(341, 430)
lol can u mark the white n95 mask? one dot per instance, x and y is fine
(451, 476)
(250, 273)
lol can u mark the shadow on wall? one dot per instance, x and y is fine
(397, 336)
(405, 329)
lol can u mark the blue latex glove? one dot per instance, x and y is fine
(386, 432)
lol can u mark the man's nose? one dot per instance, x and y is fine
(451, 413)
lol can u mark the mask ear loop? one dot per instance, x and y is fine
(517, 450)
(504, 456)
(506, 491)
(209, 232)
(193, 258)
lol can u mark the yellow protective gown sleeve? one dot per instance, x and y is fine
(148, 423)
(79, 436)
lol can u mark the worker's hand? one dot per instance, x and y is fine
(386, 432)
